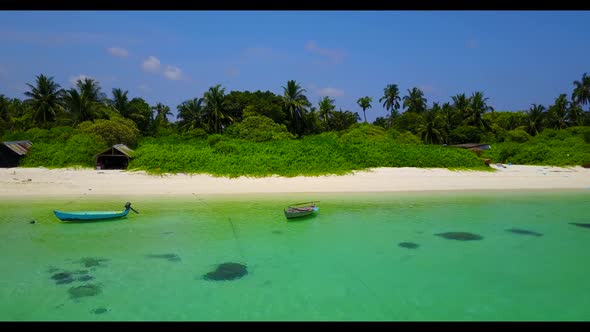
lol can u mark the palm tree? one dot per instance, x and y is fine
(430, 130)
(162, 112)
(90, 88)
(4, 113)
(17, 107)
(85, 102)
(364, 103)
(391, 100)
(296, 104)
(341, 120)
(141, 113)
(5, 118)
(215, 108)
(45, 99)
(581, 92)
(326, 106)
(415, 101)
(312, 122)
(462, 104)
(76, 106)
(191, 113)
(478, 106)
(79, 106)
(575, 114)
(535, 119)
(120, 102)
(449, 118)
(557, 113)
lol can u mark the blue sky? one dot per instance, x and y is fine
(516, 58)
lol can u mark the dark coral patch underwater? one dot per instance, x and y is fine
(168, 257)
(84, 291)
(63, 278)
(523, 232)
(99, 311)
(227, 271)
(408, 245)
(92, 261)
(460, 236)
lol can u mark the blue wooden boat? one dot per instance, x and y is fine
(301, 210)
(93, 215)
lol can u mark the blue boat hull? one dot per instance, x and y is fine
(89, 215)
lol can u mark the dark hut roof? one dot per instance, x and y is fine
(469, 145)
(19, 147)
(121, 148)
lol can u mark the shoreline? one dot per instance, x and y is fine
(43, 182)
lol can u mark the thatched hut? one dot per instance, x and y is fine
(475, 147)
(115, 157)
(12, 152)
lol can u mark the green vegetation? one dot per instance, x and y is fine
(260, 133)
(328, 153)
(113, 132)
(259, 129)
(78, 150)
(551, 147)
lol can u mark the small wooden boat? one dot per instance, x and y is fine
(93, 215)
(301, 210)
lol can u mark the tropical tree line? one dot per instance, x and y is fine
(466, 118)
(471, 118)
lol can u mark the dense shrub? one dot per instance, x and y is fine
(392, 133)
(120, 131)
(551, 147)
(408, 138)
(312, 155)
(408, 121)
(197, 133)
(517, 135)
(362, 132)
(38, 135)
(215, 138)
(258, 129)
(78, 150)
(465, 134)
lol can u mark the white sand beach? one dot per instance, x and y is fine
(22, 182)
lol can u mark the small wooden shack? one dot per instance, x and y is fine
(12, 152)
(115, 157)
(475, 147)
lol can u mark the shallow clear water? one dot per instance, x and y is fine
(343, 264)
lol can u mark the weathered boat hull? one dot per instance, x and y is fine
(297, 213)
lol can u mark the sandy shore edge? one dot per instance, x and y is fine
(23, 182)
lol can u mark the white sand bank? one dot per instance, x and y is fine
(19, 182)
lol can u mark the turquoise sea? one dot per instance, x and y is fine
(526, 260)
